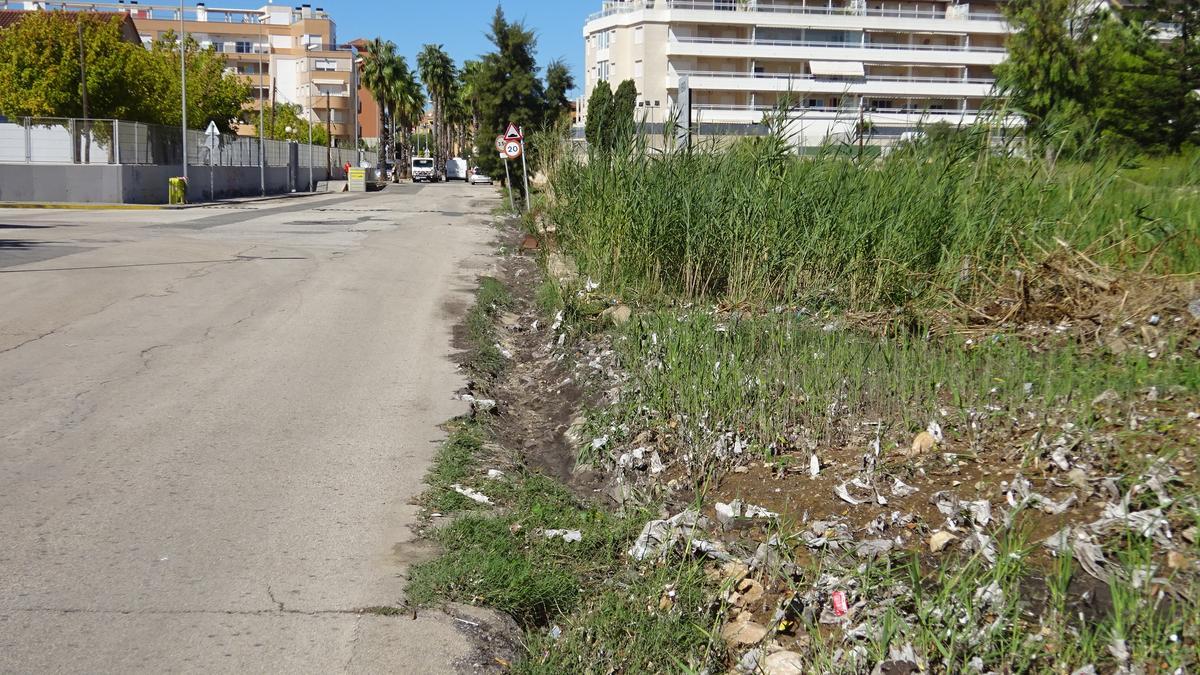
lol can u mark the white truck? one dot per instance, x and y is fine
(456, 169)
(423, 169)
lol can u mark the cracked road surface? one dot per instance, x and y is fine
(213, 422)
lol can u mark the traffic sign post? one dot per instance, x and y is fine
(524, 169)
(212, 142)
(508, 182)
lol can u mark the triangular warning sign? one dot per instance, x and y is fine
(513, 133)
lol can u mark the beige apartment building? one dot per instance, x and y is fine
(289, 54)
(893, 64)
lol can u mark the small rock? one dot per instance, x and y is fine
(1078, 478)
(743, 632)
(923, 443)
(896, 667)
(1194, 308)
(874, 547)
(940, 540)
(736, 570)
(750, 592)
(1109, 397)
(1191, 534)
(1154, 320)
(1118, 346)
(1177, 560)
(617, 315)
(783, 663)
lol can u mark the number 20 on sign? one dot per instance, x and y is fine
(512, 149)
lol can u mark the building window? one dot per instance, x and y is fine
(326, 65)
(639, 37)
(602, 68)
(242, 47)
(602, 40)
(638, 70)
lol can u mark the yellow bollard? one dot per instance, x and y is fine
(177, 191)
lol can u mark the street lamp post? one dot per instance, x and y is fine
(288, 131)
(183, 87)
(311, 185)
(262, 107)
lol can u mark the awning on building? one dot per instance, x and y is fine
(343, 82)
(837, 68)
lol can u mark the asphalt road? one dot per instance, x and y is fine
(213, 422)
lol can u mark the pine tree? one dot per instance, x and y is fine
(595, 128)
(508, 90)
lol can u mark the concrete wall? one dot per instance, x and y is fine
(133, 184)
(60, 183)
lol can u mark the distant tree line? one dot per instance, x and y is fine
(40, 74)
(1125, 78)
(468, 105)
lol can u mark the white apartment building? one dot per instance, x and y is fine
(893, 63)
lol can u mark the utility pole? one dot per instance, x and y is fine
(354, 100)
(524, 171)
(329, 127)
(262, 107)
(183, 86)
(87, 147)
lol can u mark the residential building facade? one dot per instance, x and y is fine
(289, 54)
(839, 65)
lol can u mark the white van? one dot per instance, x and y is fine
(456, 169)
(423, 170)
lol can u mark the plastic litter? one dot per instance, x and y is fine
(839, 603)
(473, 495)
(659, 536)
(738, 514)
(566, 535)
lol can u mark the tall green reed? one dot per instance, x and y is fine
(757, 222)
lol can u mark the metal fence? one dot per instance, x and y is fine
(77, 141)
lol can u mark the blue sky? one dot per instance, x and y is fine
(461, 25)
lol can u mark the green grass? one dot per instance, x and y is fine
(457, 461)
(759, 224)
(768, 375)
(491, 298)
(607, 611)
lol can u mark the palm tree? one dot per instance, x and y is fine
(438, 74)
(407, 105)
(380, 71)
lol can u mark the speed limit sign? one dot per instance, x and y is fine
(500, 143)
(512, 149)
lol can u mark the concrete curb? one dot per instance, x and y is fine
(81, 206)
(86, 206)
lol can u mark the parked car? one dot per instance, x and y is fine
(478, 177)
(456, 169)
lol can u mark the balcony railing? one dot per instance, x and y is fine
(780, 8)
(813, 78)
(848, 45)
(729, 107)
